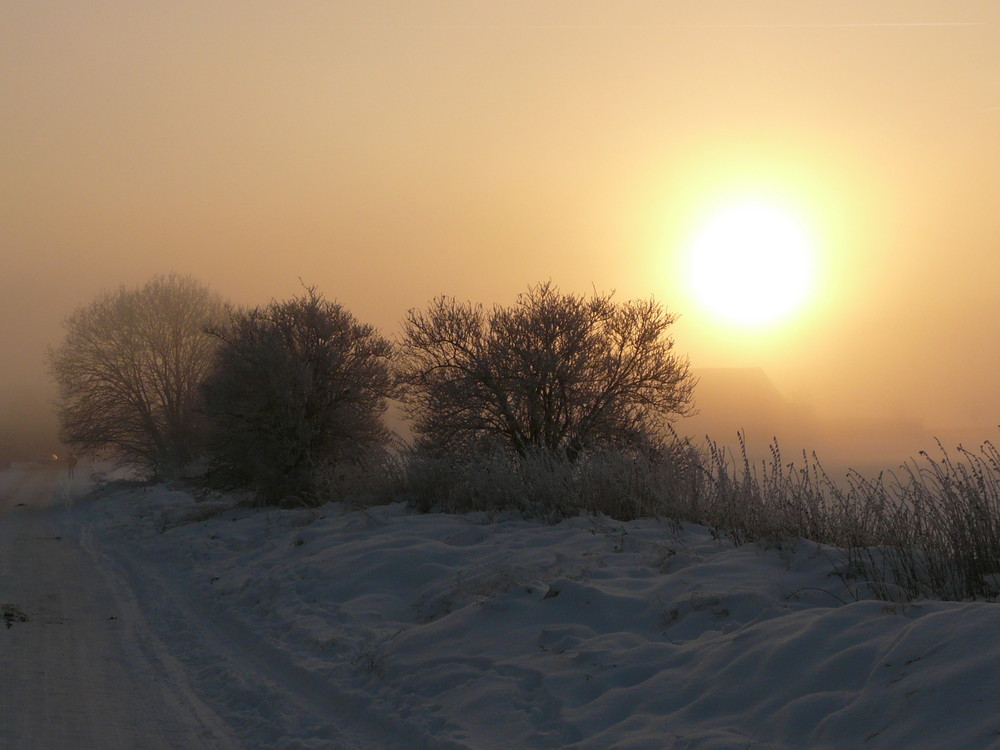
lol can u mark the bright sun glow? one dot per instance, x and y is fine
(751, 263)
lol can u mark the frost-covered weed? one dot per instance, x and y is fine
(931, 531)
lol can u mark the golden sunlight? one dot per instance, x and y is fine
(751, 263)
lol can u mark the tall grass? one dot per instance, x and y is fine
(938, 533)
(930, 530)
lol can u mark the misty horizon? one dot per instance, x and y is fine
(391, 155)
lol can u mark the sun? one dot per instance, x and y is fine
(751, 263)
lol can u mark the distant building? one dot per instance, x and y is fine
(744, 399)
(732, 400)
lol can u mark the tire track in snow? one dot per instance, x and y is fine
(174, 682)
(77, 672)
(268, 698)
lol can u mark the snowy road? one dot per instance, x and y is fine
(79, 666)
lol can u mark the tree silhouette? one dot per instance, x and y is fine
(129, 372)
(557, 372)
(296, 387)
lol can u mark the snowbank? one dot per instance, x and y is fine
(383, 628)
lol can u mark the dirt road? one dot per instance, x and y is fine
(80, 667)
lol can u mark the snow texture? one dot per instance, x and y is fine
(382, 628)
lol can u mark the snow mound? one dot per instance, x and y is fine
(384, 628)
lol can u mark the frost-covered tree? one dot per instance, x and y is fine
(129, 373)
(296, 387)
(555, 371)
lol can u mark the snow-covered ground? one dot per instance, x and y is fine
(80, 667)
(382, 628)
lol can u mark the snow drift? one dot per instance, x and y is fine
(382, 628)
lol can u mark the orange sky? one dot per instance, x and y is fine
(389, 152)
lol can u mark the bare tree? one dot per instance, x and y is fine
(129, 372)
(297, 387)
(555, 371)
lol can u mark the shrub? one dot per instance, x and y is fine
(555, 372)
(297, 388)
(615, 482)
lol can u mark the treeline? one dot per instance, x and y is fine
(287, 400)
(556, 404)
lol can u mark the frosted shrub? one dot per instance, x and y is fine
(374, 479)
(555, 371)
(296, 392)
(622, 484)
(489, 481)
(933, 530)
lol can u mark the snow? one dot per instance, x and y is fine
(383, 628)
(79, 665)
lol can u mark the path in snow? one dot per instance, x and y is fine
(83, 670)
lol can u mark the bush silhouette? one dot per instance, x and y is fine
(556, 372)
(297, 388)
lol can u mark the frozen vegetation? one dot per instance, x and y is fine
(547, 565)
(381, 627)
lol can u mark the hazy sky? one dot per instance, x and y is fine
(389, 152)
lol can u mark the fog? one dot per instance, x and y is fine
(391, 152)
